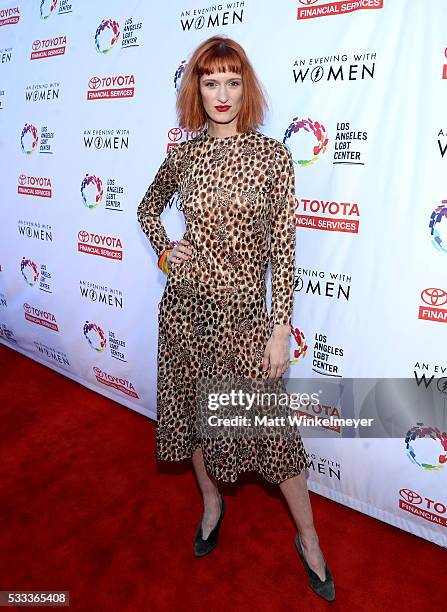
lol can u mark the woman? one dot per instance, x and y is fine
(236, 188)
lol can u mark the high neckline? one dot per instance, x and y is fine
(221, 138)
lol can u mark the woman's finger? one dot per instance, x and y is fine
(185, 245)
(265, 362)
(279, 370)
(175, 256)
(178, 254)
(273, 371)
(184, 251)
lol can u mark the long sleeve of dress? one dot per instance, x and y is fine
(283, 235)
(155, 200)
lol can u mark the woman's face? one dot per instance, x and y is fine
(221, 95)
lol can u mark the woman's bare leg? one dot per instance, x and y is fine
(210, 494)
(297, 497)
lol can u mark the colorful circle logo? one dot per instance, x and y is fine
(46, 8)
(95, 336)
(91, 191)
(438, 227)
(30, 271)
(106, 35)
(29, 138)
(319, 132)
(437, 459)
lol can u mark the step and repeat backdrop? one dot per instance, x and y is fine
(357, 90)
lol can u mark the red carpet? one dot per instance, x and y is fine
(86, 509)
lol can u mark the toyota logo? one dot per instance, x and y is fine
(410, 496)
(97, 371)
(175, 134)
(36, 45)
(83, 236)
(22, 179)
(26, 307)
(434, 296)
(94, 82)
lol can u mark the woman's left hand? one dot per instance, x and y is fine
(277, 352)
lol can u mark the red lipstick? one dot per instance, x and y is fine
(222, 109)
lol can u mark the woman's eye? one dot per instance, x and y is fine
(232, 84)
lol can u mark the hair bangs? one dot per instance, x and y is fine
(220, 58)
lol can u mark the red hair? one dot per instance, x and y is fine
(219, 54)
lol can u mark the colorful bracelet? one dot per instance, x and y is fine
(163, 259)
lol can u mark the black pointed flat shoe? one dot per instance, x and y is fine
(203, 547)
(323, 588)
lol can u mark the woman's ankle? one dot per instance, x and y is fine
(309, 538)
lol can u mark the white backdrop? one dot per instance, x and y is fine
(356, 91)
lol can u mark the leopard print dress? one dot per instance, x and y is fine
(237, 197)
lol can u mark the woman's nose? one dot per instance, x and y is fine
(222, 95)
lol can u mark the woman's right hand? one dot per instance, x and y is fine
(181, 252)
